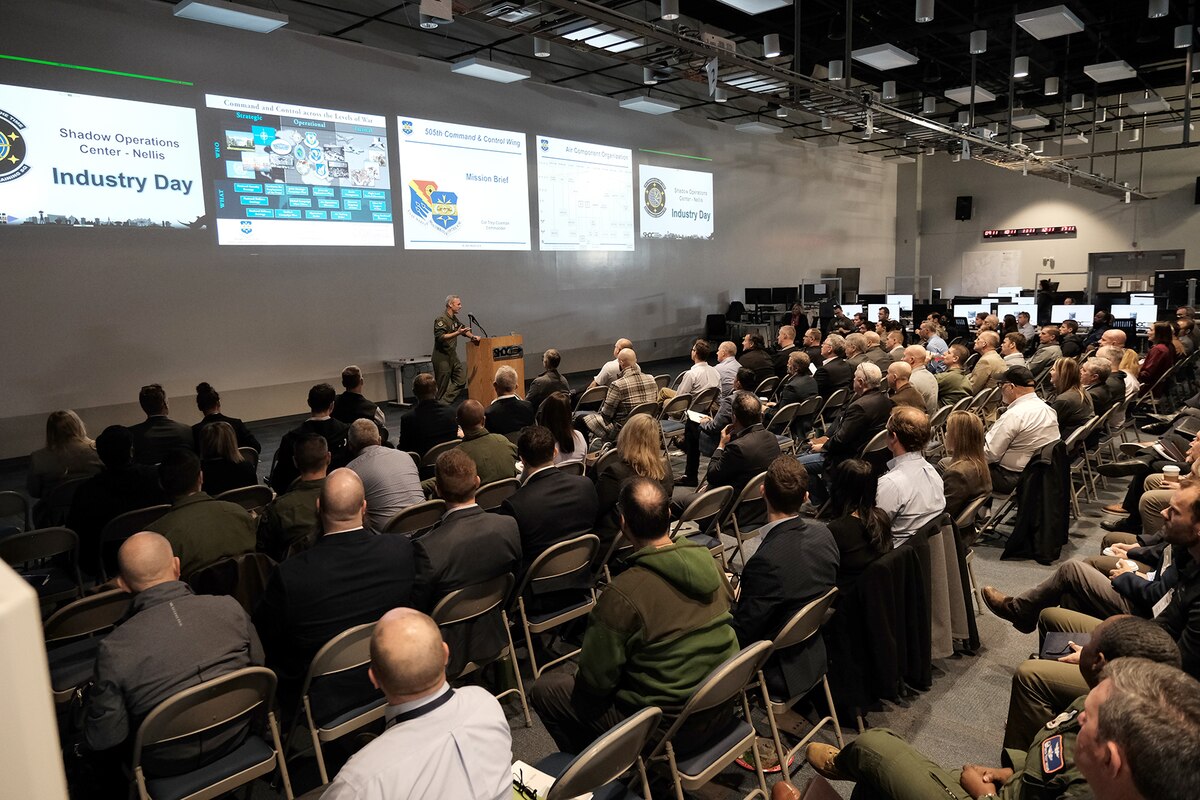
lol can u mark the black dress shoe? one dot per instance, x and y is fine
(1156, 428)
(1122, 525)
(1121, 469)
(687, 480)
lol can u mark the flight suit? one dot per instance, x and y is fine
(450, 373)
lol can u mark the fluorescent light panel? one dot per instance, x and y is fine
(231, 15)
(649, 105)
(1047, 23)
(1148, 105)
(489, 70)
(1110, 71)
(757, 127)
(962, 95)
(884, 56)
(756, 6)
(1029, 121)
(603, 37)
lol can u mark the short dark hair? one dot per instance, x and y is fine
(309, 451)
(745, 376)
(1017, 338)
(757, 341)
(747, 409)
(785, 485)
(321, 397)
(178, 472)
(1072, 324)
(910, 426)
(114, 445)
(456, 474)
(425, 386)
(470, 414)
(153, 399)
(206, 397)
(351, 377)
(551, 358)
(1125, 636)
(645, 508)
(1052, 330)
(535, 445)
(702, 349)
(960, 352)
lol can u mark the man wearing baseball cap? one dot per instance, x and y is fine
(1020, 432)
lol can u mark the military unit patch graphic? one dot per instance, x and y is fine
(654, 196)
(12, 148)
(428, 204)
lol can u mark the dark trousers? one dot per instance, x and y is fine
(1003, 480)
(1133, 495)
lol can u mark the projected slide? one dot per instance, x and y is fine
(676, 203)
(585, 196)
(86, 161)
(465, 188)
(291, 174)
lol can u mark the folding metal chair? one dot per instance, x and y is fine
(72, 638)
(663, 381)
(671, 420)
(832, 404)
(766, 388)
(708, 505)
(564, 565)
(416, 519)
(575, 467)
(53, 583)
(251, 455)
(52, 509)
(750, 495)
(605, 760)
(491, 495)
(781, 426)
(120, 528)
(252, 498)
(590, 400)
(13, 504)
(429, 460)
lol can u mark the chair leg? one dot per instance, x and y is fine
(528, 638)
(316, 742)
(283, 771)
(775, 737)
(837, 726)
(976, 593)
(674, 772)
(762, 778)
(516, 668)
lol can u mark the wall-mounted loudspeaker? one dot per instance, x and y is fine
(962, 207)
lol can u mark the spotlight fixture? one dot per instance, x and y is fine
(835, 70)
(978, 42)
(669, 10)
(541, 48)
(781, 112)
(771, 45)
(231, 15)
(889, 90)
(826, 124)
(924, 10)
(1078, 102)
(1183, 36)
(1021, 67)
(1051, 87)
(648, 76)
(929, 105)
(1158, 9)
(434, 13)
(720, 95)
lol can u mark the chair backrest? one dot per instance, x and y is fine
(591, 397)
(607, 758)
(472, 602)
(1046, 454)
(877, 442)
(40, 543)
(721, 686)
(766, 387)
(13, 504)
(491, 495)
(243, 577)
(663, 381)
(415, 518)
(970, 511)
(836, 400)
(415, 456)
(122, 526)
(250, 454)
(559, 562)
(252, 498)
(608, 457)
(783, 418)
(348, 650)
(938, 420)
(208, 705)
(704, 399)
(53, 508)
(705, 505)
(805, 623)
(972, 360)
(963, 404)
(89, 615)
(572, 467)
(653, 408)
(751, 493)
(432, 454)
(676, 405)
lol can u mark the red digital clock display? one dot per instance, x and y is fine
(1016, 233)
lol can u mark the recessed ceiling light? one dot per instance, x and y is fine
(1029, 121)
(756, 127)
(649, 105)
(756, 6)
(962, 95)
(884, 56)
(489, 70)
(1047, 23)
(1175, 127)
(604, 37)
(1148, 104)
(900, 158)
(1110, 71)
(231, 15)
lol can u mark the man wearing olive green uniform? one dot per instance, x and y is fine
(450, 373)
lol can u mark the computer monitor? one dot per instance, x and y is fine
(873, 312)
(1010, 291)
(758, 297)
(921, 311)
(1083, 314)
(1143, 314)
(1141, 298)
(873, 298)
(902, 301)
(967, 299)
(785, 295)
(971, 310)
(1029, 308)
(1130, 326)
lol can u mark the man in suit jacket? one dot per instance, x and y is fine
(745, 449)
(551, 506)
(349, 577)
(755, 357)
(430, 422)
(772, 589)
(508, 413)
(546, 384)
(856, 349)
(466, 547)
(786, 339)
(875, 352)
(860, 419)
(351, 404)
(158, 434)
(811, 344)
(833, 372)
(320, 401)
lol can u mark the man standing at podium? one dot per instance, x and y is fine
(449, 371)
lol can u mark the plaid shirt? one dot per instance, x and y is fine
(624, 394)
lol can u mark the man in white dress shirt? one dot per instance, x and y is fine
(1025, 428)
(911, 491)
(701, 376)
(439, 742)
(727, 367)
(612, 370)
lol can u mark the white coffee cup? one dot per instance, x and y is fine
(1171, 473)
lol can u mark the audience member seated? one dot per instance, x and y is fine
(430, 422)
(68, 453)
(1012, 349)
(701, 438)
(1048, 351)
(965, 472)
(351, 404)
(639, 456)
(1093, 376)
(466, 547)
(350, 576)
(811, 344)
(659, 629)
(701, 376)
(756, 358)
(745, 448)
(1071, 402)
(1159, 359)
(119, 487)
(911, 493)
(772, 589)
(222, 463)
(894, 344)
(1107, 745)
(728, 365)
(1021, 432)
(856, 349)
(550, 506)
(902, 392)
(859, 420)
(862, 530)
(290, 520)
(507, 413)
(953, 384)
(611, 369)
(208, 401)
(1100, 326)
(555, 414)
(1072, 343)
(833, 372)
(1025, 326)
(626, 393)
(921, 378)
(990, 365)
(1186, 327)
(875, 352)
(201, 530)
(320, 401)
(169, 640)
(798, 385)
(389, 477)
(932, 337)
(158, 434)
(786, 339)
(1120, 383)
(549, 382)
(1073, 584)
(439, 741)
(495, 456)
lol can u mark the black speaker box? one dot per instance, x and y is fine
(962, 207)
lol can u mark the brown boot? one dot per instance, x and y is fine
(822, 757)
(1005, 608)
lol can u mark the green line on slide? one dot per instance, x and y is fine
(96, 69)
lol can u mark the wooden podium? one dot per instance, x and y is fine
(485, 358)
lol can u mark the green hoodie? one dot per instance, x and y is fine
(659, 628)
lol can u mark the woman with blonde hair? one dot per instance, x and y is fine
(68, 453)
(640, 455)
(221, 463)
(1072, 404)
(964, 469)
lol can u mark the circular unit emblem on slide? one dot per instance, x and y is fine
(281, 146)
(316, 154)
(12, 148)
(311, 139)
(654, 195)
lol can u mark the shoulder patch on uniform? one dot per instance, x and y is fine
(439, 323)
(1065, 716)
(1052, 755)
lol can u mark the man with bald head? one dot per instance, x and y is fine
(626, 393)
(921, 378)
(494, 454)
(990, 363)
(389, 476)
(612, 369)
(348, 577)
(171, 640)
(728, 366)
(439, 742)
(902, 391)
